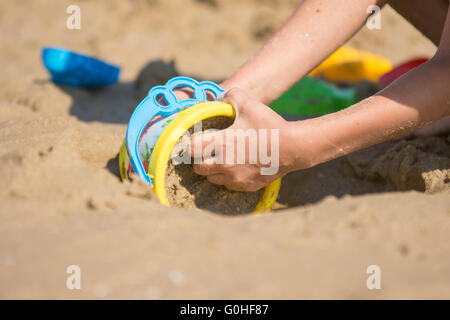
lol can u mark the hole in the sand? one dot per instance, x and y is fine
(404, 249)
(91, 205)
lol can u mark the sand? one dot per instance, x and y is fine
(62, 202)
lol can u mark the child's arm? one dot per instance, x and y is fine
(314, 31)
(418, 98)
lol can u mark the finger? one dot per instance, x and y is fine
(207, 168)
(220, 97)
(183, 93)
(161, 101)
(235, 187)
(198, 143)
(236, 97)
(241, 182)
(218, 178)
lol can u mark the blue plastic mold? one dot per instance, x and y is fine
(150, 107)
(69, 68)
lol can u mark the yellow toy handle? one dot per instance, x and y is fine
(173, 132)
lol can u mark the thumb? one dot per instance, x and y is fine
(239, 99)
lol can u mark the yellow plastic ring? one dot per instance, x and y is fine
(173, 132)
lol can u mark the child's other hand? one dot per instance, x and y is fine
(183, 93)
(257, 131)
(180, 93)
(186, 92)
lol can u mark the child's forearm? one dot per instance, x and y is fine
(420, 97)
(315, 30)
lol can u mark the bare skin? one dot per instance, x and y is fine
(417, 99)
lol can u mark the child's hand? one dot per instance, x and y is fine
(252, 116)
(183, 93)
(186, 93)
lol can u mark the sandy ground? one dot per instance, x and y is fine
(62, 203)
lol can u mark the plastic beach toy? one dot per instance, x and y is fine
(311, 96)
(314, 97)
(400, 70)
(351, 65)
(155, 128)
(69, 68)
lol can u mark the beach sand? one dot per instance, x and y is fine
(62, 202)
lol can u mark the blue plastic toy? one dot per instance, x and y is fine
(69, 68)
(151, 108)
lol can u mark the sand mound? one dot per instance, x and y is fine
(421, 164)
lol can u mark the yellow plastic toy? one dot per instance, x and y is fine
(166, 142)
(169, 123)
(351, 65)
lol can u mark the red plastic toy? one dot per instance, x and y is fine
(401, 70)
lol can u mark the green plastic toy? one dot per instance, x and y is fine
(314, 97)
